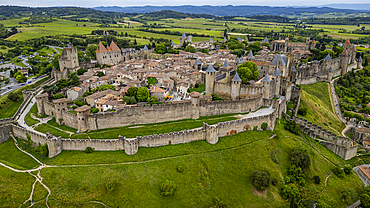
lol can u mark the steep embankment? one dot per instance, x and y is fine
(222, 170)
(316, 98)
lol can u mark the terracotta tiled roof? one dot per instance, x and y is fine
(347, 42)
(101, 48)
(114, 47)
(82, 108)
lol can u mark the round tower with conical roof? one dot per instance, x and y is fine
(266, 85)
(210, 79)
(359, 63)
(235, 87)
(277, 75)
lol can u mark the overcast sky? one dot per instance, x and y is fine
(94, 3)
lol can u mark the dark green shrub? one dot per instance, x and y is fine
(316, 179)
(217, 203)
(89, 150)
(302, 110)
(348, 194)
(168, 187)
(300, 158)
(264, 126)
(42, 150)
(274, 181)
(347, 169)
(58, 96)
(180, 168)
(255, 128)
(13, 96)
(111, 185)
(261, 180)
(338, 172)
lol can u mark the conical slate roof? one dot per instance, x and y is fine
(197, 62)
(281, 60)
(266, 78)
(226, 65)
(225, 39)
(360, 59)
(266, 40)
(173, 43)
(237, 60)
(210, 68)
(183, 35)
(210, 39)
(236, 77)
(330, 69)
(239, 38)
(327, 58)
(250, 55)
(145, 48)
(293, 68)
(242, 60)
(277, 72)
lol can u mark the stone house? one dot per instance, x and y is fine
(158, 92)
(92, 99)
(75, 92)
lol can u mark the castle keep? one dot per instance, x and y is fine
(68, 63)
(108, 55)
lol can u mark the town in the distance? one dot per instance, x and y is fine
(101, 108)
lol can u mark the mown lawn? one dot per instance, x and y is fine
(11, 156)
(53, 122)
(320, 111)
(44, 128)
(28, 119)
(150, 129)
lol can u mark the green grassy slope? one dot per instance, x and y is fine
(320, 111)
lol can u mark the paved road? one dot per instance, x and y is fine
(15, 85)
(55, 48)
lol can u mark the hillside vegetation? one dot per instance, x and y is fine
(316, 98)
(205, 175)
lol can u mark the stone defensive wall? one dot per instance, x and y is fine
(223, 107)
(341, 146)
(156, 113)
(210, 133)
(306, 80)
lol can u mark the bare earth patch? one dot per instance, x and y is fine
(259, 193)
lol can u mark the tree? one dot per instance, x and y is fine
(168, 187)
(152, 80)
(50, 89)
(316, 179)
(152, 99)
(261, 180)
(248, 71)
(302, 110)
(100, 74)
(266, 44)
(131, 92)
(142, 94)
(111, 185)
(255, 46)
(300, 158)
(55, 61)
(338, 172)
(238, 52)
(290, 192)
(20, 78)
(75, 80)
(91, 51)
(264, 126)
(63, 83)
(81, 71)
(94, 110)
(365, 200)
(58, 96)
(129, 100)
(190, 49)
(13, 96)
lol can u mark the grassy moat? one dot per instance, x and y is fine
(222, 170)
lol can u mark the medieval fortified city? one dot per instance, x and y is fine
(185, 106)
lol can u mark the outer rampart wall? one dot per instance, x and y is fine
(21, 132)
(70, 119)
(99, 145)
(306, 80)
(4, 132)
(337, 144)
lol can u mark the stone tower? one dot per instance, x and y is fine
(131, 145)
(195, 104)
(69, 59)
(197, 64)
(266, 85)
(210, 79)
(277, 75)
(60, 105)
(82, 121)
(344, 61)
(330, 74)
(235, 86)
(40, 99)
(347, 45)
(307, 43)
(359, 62)
(182, 39)
(211, 133)
(313, 44)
